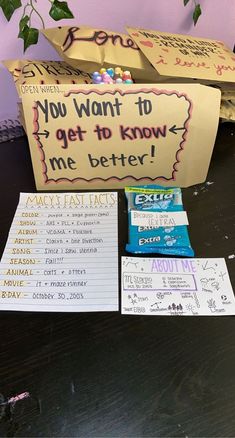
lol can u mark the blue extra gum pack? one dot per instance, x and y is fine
(168, 240)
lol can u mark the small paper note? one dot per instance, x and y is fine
(156, 219)
(62, 254)
(170, 286)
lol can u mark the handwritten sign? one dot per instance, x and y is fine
(156, 219)
(86, 136)
(45, 72)
(186, 56)
(169, 286)
(89, 49)
(62, 254)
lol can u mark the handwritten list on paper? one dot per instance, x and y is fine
(62, 254)
(169, 286)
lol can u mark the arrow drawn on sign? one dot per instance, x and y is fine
(46, 133)
(174, 130)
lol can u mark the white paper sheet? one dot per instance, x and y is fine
(159, 219)
(169, 286)
(62, 254)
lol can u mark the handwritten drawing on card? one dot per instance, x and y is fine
(62, 254)
(164, 286)
(185, 56)
(110, 137)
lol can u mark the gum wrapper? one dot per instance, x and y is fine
(173, 240)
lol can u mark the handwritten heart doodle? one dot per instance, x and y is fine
(146, 43)
(135, 34)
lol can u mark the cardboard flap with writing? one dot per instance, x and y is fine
(185, 56)
(87, 136)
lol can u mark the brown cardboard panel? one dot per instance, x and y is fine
(89, 136)
(185, 56)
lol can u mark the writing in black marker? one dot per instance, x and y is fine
(53, 109)
(94, 108)
(55, 69)
(62, 163)
(99, 37)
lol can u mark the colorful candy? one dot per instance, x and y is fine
(112, 76)
(110, 72)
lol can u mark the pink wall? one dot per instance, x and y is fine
(217, 21)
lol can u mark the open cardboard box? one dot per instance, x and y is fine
(89, 136)
(164, 132)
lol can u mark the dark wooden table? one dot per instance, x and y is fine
(107, 375)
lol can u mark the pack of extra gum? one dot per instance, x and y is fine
(167, 238)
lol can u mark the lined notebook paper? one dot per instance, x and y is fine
(62, 254)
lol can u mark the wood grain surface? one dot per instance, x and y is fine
(107, 375)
